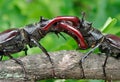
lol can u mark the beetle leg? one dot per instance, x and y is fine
(46, 53)
(25, 50)
(108, 52)
(104, 65)
(1, 57)
(84, 57)
(18, 62)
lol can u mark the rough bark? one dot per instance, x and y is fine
(66, 66)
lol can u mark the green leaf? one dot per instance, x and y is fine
(108, 24)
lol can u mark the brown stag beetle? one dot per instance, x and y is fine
(108, 44)
(16, 40)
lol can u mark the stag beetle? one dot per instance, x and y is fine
(93, 38)
(89, 37)
(16, 40)
(108, 44)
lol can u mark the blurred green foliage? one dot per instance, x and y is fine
(18, 13)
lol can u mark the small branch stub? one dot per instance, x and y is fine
(66, 66)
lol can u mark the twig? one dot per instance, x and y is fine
(66, 66)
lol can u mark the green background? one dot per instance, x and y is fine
(18, 13)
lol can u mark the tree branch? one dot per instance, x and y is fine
(65, 65)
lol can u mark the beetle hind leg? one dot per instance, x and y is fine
(18, 62)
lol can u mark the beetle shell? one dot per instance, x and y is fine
(111, 45)
(7, 35)
(114, 40)
(11, 41)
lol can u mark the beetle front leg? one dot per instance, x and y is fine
(84, 57)
(46, 53)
